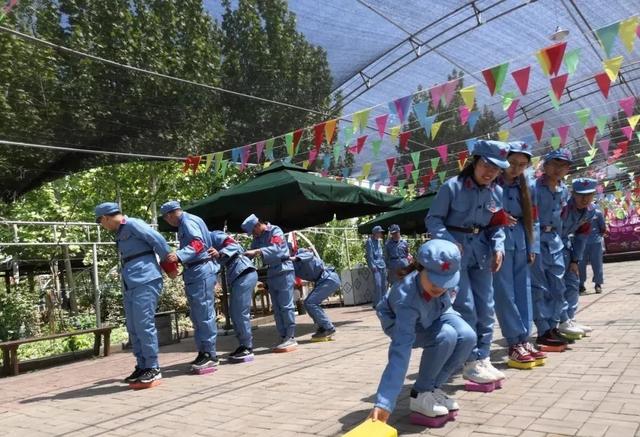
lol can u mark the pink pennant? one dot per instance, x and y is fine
(627, 131)
(562, 132)
(259, 149)
(442, 151)
(404, 139)
(324, 173)
(246, 151)
(464, 114)
(604, 146)
(436, 92)
(449, 89)
(513, 107)
(392, 180)
(537, 127)
(521, 77)
(313, 155)
(627, 105)
(381, 122)
(408, 168)
(558, 84)
(360, 143)
(390, 162)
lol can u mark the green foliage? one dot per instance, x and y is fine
(18, 316)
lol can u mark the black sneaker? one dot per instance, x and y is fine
(323, 333)
(198, 358)
(243, 353)
(149, 375)
(583, 290)
(134, 376)
(548, 339)
(598, 288)
(555, 332)
(205, 360)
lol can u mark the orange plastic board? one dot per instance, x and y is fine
(369, 428)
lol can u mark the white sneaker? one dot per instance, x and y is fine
(585, 328)
(495, 372)
(568, 327)
(475, 371)
(445, 400)
(428, 405)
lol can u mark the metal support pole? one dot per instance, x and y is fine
(225, 299)
(346, 247)
(96, 284)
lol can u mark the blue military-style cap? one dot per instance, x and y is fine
(563, 154)
(441, 259)
(584, 185)
(106, 208)
(249, 223)
(394, 228)
(520, 147)
(494, 152)
(169, 206)
(377, 229)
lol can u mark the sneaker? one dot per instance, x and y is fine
(534, 352)
(324, 333)
(555, 332)
(134, 376)
(498, 375)
(205, 360)
(550, 339)
(569, 328)
(149, 375)
(520, 354)
(427, 404)
(585, 328)
(198, 358)
(291, 342)
(583, 290)
(475, 371)
(276, 344)
(241, 353)
(445, 400)
(598, 288)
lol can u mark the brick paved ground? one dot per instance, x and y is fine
(325, 389)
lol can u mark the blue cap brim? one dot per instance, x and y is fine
(589, 191)
(497, 162)
(444, 281)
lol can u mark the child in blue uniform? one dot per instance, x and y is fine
(512, 283)
(397, 253)
(417, 313)
(375, 260)
(310, 267)
(242, 278)
(468, 212)
(593, 253)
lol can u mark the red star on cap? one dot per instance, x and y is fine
(445, 266)
(503, 153)
(585, 183)
(525, 146)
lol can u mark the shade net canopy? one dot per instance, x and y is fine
(410, 217)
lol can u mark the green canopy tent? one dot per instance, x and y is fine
(410, 218)
(291, 197)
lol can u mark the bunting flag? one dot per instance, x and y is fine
(607, 36)
(366, 169)
(318, 135)
(627, 131)
(346, 171)
(408, 168)
(402, 107)
(235, 154)
(392, 180)
(511, 110)
(464, 114)
(346, 134)
(633, 121)
(612, 67)
(449, 90)
(415, 157)
(326, 161)
(269, 147)
(583, 116)
(623, 145)
(297, 134)
(590, 135)
(435, 128)
(313, 155)
(604, 83)
(393, 133)
(217, 159)
(628, 30)
(562, 132)
(305, 163)
(554, 100)
(426, 179)
(404, 140)
(436, 95)
(259, 149)
(375, 146)
(208, 162)
(390, 162)
(414, 176)
(470, 142)
(473, 119)
(468, 95)
(521, 78)
(428, 124)
(601, 123)
(503, 135)
(443, 152)
(627, 104)
(558, 83)
(434, 164)
(550, 58)
(588, 160)
(442, 175)
(224, 164)
(462, 158)
(360, 120)
(555, 142)
(420, 110)
(337, 149)
(381, 123)
(537, 127)
(571, 61)
(246, 152)
(360, 143)
(494, 77)
(329, 130)
(604, 147)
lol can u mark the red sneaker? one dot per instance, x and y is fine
(534, 352)
(518, 353)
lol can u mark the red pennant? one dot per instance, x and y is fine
(590, 134)
(318, 135)
(491, 82)
(623, 145)
(555, 53)
(192, 162)
(390, 162)
(408, 168)
(558, 83)
(404, 139)
(521, 77)
(537, 127)
(563, 131)
(604, 83)
(297, 134)
(462, 156)
(360, 143)
(392, 180)
(426, 179)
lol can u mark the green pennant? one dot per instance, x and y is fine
(375, 145)
(583, 116)
(554, 101)
(601, 122)
(607, 36)
(588, 160)
(442, 175)
(269, 149)
(218, 159)
(507, 99)
(499, 73)
(288, 141)
(434, 163)
(555, 142)
(571, 60)
(414, 176)
(360, 119)
(223, 167)
(337, 148)
(401, 184)
(415, 157)
(592, 152)
(347, 134)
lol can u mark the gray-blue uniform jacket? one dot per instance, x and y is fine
(194, 242)
(231, 255)
(138, 244)
(576, 226)
(374, 254)
(598, 227)
(275, 251)
(397, 252)
(550, 207)
(516, 237)
(309, 267)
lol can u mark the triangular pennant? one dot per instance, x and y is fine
(601, 123)
(366, 169)
(381, 123)
(375, 146)
(521, 78)
(555, 142)
(305, 163)
(470, 142)
(346, 171)
(217, 158)
(360, 143)
(435, 128)
(235, 154)
(408, 168)
(402, 107)
(627, 131)
(337, 150)
(449, 90)
(583, 116)
(623, 145)
(473, 119)
(360, 120)
(414, 176)
(208, 162)
(588, 160)
(537, 127)
(511, 110)
(607, 36)
(269, 147)
(392, 180)
(550, 58)
(503, 135)
(259, 150)
(297, 134)
(246, 152)
(571, 60)
(554, 100)
(428, 124)
(627, 32)
(401, 184)
(468, 95)
(442, 175)
(443, 152)
(318, 135)
(404, 140)
(507, 99)
(464, 114)
(494, 77)
(612, 67)
(223, 167)
(288, 142)
(420, 111)
(604, 83)
(346, 134)
(426, 179)
(313, 155)
(390, 162)
(633, 121)
(590, 134)
(436, 94)
(434, 164)
(562, 132)
(415, 157)
(462, 158)
(326, 161)
(627, 104)
(558, 83)
(604, 146)
(329, 130)
(394, 132)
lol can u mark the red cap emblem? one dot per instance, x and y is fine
(445, 266)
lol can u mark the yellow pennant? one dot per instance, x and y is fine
(606, 183)
(461, 163)
(366, 169)
(435, 127)
(305, 164)
(612, 67)
(627, 32)
(503, 135)
(394, 132)
(209, 161)
(468, 95)
(633, 121)
(534, 161)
